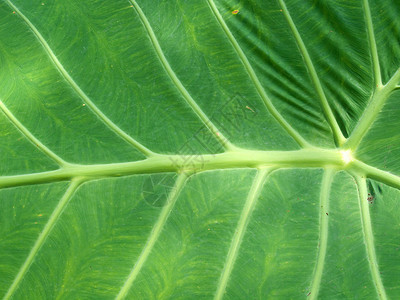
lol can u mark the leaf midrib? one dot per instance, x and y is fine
(306, 158)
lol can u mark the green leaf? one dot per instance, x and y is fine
(216, 149)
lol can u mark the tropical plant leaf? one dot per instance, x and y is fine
(199, 149)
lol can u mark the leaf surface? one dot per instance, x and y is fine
(218, 149)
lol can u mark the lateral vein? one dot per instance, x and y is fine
(381, 92)
(376, 174)
(337, 133)
(376, 103)
(110, 124)
(43, 236)
(30, 136)
(372, 44)
(369, 237)
(154, 235)
(323, 232)
(188, 98)
(240, 231)
(260, 90)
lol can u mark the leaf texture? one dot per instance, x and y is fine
(212, 149)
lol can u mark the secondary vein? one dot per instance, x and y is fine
(30, 136)
(154, 235)
(372, 44)
(375, 173)
(245, 216)
(174, 78)
(260, 90)
(381, 92)
(337, 133)
(110, 124)
(323, 232)
(369, 237)
(43, 236)
(378, 99)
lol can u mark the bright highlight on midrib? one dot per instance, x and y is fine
(347, 156)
